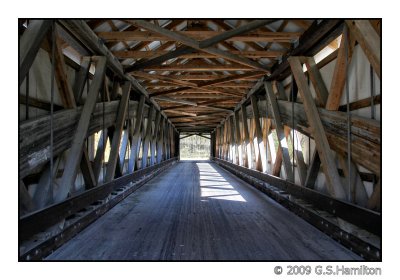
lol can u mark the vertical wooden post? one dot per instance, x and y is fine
(160, 141)
(232, 140)
(246, 140)
(223, 138)
(239, 146)
(154, 139)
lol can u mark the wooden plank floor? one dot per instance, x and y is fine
(199, 211)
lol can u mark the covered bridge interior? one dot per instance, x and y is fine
(291, 109)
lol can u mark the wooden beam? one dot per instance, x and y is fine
(209, 38)
(64, 87)
(232, 148)
(82, 32)
(121, 115)
(70, 170)
(167, 78)
(280, 133)
(246, 140)
(174, 100)
(182, 50)
(202, 44)
(197, 54)
(43, 195)
(181, 113)
(80, 79)
(239, 145)
(369, 41)
(136, 137)
(233, 34)
(258, 140)
(87, 170)
(313, 170)
(38, 103)
(281, 91)
(310, 42)
(153, 142)
(126, 137)
(317, 81)
(298, 154)
(374, 201)
(101, 147)
(334, 183)
(196, 67)
(196, 77)
(29, 45)
(194, 44)
(220, 81)
(339, 74)
(147, 138)
(26, 204)
(362, 103)
(160, 142)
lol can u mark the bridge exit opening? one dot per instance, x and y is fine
(194, 146)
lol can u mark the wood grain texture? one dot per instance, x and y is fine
(198, 211)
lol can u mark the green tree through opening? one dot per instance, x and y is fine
(195, 147)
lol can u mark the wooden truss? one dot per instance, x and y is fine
(139, 85)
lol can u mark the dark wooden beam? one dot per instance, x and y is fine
(369, 41)
(81, 78)
(362, 103)
(190, 55)
(37, 103)
(29, 45)
(310, 42)
(136, 137)
(194, 44)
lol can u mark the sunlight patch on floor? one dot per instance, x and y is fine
(214, 186)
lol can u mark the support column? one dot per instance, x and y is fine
(246, 141)
(160, 141)
(146, 141)
(135, 145)
(154, 139)
(258, 141)
(239, 146)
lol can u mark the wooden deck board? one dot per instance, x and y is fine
(198, 211)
